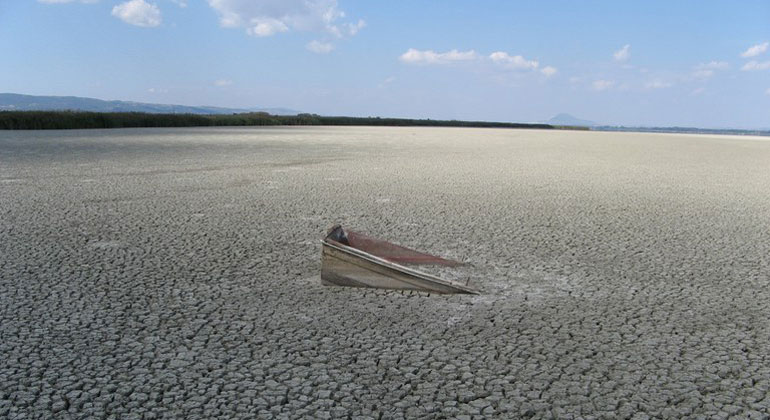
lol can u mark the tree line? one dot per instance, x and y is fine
(61, 120)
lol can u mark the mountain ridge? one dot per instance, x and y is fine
(21, 102)
(569, 120)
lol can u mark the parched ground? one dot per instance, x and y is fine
(156, 273)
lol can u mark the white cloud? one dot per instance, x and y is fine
(500, 58)
(514, 62)
(223, 82)
(319, 47)
(266, 27)
(623, 54)
(657, 84)
(756, 65)
(698, 91)
(413, 56)
(705, 71)
(138, 12)
(66, 1)
(703, 74)
(602, 84)
(549, 71)
(767, 92)
(714, 65)
(268, 17)
(353, 28)
(180, 3)
(756, 50)
(386, 82)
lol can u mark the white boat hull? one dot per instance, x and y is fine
(342, 265)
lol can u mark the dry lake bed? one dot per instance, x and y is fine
(174, 273)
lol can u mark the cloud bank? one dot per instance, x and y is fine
(269, 17)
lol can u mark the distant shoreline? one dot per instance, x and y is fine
(63, 120)
(683, 130)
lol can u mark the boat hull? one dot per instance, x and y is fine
(342, 265)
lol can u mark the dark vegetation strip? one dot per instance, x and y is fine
(58, 120)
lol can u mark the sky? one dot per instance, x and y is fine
(655, 63)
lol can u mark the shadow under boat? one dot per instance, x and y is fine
(352, 259)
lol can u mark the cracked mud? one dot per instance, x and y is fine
(158, 273)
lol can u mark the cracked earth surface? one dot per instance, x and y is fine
(166, 273)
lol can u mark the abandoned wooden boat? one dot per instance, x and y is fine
(356, 260)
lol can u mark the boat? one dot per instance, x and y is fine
(356, 260)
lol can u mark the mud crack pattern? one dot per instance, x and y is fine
(174, 274)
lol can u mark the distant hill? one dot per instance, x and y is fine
(17, 102)
(567, 119)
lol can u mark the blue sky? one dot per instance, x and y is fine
(687, 63)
